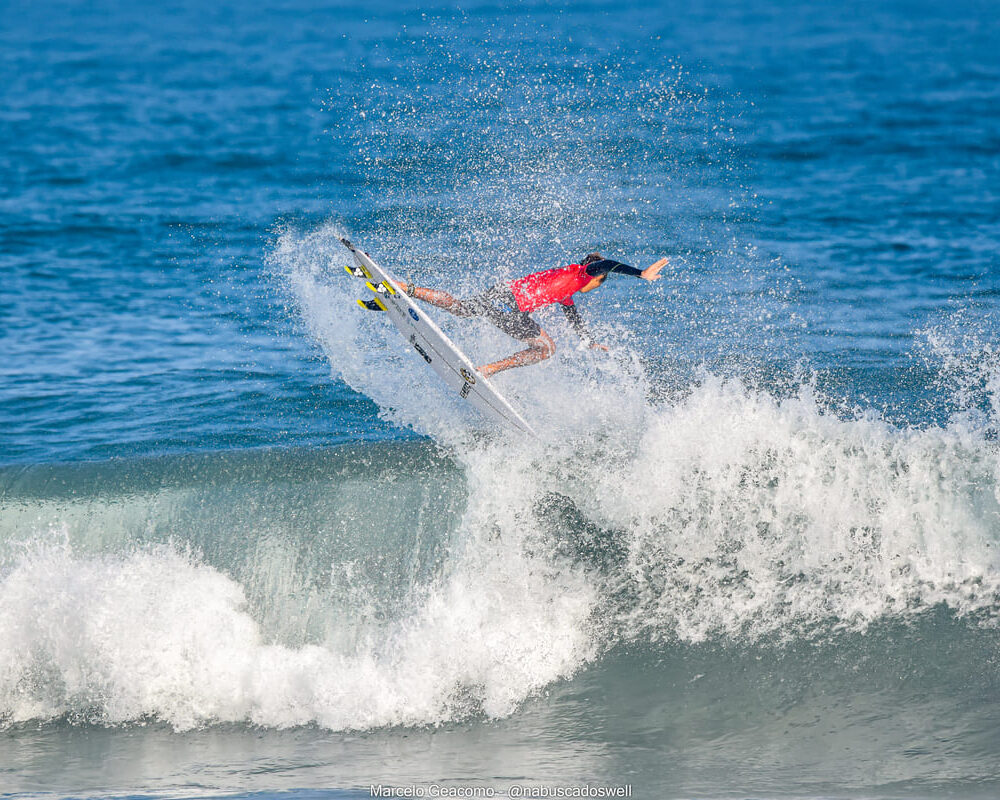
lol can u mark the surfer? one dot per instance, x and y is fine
(508, 305)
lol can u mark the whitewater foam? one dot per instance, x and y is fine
(165, 631)
(731, 513)
(771, 516)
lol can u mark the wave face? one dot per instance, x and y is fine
(396, 585)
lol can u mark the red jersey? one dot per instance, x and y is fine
(550, 286)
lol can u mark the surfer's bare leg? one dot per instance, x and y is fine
(436, 298)
(442, 300)
(539, 349)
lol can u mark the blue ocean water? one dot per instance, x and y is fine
(249, 545)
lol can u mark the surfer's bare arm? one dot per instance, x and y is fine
(576, 323)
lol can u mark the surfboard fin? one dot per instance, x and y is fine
(375, 304)
(383, 287)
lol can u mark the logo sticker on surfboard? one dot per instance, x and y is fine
(419, 349)
(467, 376)
(414, 315)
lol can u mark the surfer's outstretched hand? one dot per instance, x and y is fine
(652, 272)
(598, 346)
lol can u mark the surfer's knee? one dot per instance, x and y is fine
(460, 309)
(543, 345)
(453, 305)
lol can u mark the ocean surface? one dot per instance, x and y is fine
(249, 545)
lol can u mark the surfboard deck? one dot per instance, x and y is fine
(431, 344)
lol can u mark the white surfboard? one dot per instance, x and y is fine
(430, 343)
